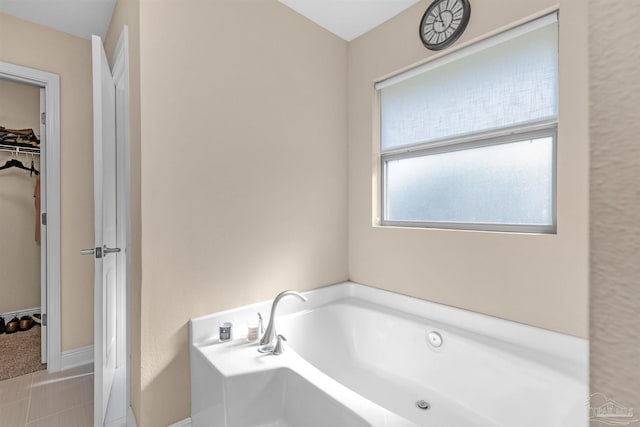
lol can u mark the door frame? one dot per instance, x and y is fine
(43, 236)
(51, 206)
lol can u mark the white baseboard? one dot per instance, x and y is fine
(76, 357)
(18, 313)
(184, 423)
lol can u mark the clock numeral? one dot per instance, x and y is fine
(428, 34)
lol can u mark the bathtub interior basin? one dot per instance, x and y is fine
(282, 398)
(386, 356)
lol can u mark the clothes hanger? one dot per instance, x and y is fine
(15, 163)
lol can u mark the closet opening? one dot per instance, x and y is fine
(29, 221)
(21, 131)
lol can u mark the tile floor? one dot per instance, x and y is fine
(41, 399)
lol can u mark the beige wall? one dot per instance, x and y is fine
(34, 46)
(540, 280)
(244, 169)
(19, 106)
(615, 201)
(127, 12)
(19, 252)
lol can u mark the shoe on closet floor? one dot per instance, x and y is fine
(26, 323)
(12, 326)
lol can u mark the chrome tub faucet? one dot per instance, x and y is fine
(266, 342)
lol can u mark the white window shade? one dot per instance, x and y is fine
(510, 83)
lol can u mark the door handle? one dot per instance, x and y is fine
(96, 251)
(100, 252)
(107, 250)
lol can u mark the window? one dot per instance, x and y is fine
(468, 140)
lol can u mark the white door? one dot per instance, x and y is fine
(104, 154)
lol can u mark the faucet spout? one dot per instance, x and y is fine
(270, 332)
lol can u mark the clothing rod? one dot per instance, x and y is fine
(19, 150)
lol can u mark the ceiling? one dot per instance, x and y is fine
(347, 19)
(81, 18)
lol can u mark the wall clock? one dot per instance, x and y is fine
(444, 22)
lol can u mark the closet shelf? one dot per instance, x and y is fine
(19, 147)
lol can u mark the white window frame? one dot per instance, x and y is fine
(539, 130)
(527, 131)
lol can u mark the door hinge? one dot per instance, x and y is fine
(44, 319)
(43, 118)
(44, 218)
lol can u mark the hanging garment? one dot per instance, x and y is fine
(36, 195)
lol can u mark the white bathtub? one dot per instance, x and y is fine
(361, 357)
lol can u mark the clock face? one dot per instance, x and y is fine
(443, 22)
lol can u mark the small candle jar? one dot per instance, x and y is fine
(226, 331)
(253, 332)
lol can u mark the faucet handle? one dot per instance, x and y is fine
(260, 323)
(279, 347)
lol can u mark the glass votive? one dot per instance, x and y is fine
(226, 331)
